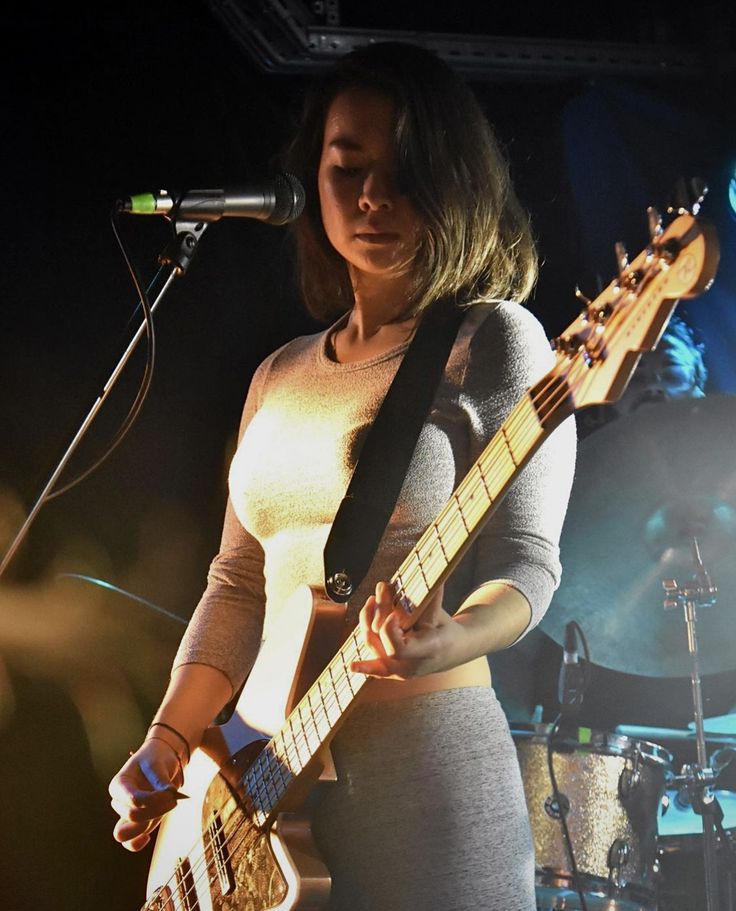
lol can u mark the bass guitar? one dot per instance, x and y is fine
(242, 841)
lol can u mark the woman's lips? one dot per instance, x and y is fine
(377, 237)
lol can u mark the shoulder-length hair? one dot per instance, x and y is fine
(476, 243)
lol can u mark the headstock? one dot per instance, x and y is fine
(599, 351)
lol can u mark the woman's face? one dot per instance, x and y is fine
(370, 223)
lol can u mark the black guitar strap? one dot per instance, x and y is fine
(384, 458)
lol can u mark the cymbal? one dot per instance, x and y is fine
(645, 486)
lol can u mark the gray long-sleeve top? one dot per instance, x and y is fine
(303, 423)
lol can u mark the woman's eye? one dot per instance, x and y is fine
(347, 172)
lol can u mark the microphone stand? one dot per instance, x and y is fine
(175, 260)
(699, 778)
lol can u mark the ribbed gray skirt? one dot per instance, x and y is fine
(428, 813)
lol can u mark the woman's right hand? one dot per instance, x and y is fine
(144, 789)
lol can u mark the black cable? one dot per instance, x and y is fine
(147, 377)
(568, 711)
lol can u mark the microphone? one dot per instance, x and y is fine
(277, 201)
(571, 682)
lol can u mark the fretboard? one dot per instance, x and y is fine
(436, 554)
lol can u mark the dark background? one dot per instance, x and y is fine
(103, 103)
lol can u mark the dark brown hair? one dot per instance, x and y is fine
(476, 243)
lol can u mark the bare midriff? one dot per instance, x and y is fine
(473, 673)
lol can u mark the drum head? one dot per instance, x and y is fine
(591, 740)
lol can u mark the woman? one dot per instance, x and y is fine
(409, 203)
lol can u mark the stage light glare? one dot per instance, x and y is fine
(732, 192)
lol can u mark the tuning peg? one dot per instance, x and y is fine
(622, 257)
(688, 196)
(655, 223)
(581, 297)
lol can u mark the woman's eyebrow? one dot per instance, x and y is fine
(342, 142)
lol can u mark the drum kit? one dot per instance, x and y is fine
(649, 580)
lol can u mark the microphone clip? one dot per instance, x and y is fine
(573, 678)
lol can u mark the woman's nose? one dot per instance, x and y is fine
(376, 192)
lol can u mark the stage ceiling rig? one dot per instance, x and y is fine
(292, 36)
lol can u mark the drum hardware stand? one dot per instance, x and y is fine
(698, 778)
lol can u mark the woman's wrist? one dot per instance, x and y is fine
(162, 730)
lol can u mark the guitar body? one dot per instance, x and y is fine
(210, 854)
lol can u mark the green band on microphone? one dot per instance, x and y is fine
(143, 204)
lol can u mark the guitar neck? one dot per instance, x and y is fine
(595, 358)
(440, 548)
(316, 717)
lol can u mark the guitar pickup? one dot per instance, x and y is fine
(221, 854)
(186, 891)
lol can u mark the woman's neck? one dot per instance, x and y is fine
(363, 338)
(379, 301)
(379, 320)
(373, 327)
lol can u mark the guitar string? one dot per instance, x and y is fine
(196, 872)
(518, 425)
(229, 841)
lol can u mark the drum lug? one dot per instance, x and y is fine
(629, 778)
(618, 855)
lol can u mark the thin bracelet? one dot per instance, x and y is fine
(162, 724)
(172, 748)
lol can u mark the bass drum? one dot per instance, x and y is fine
(681, 851)
(611, 788)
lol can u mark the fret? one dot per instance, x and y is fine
(452, 530)
(335, 709)
(509, 448)
(304, 726)
(264, 800)
(281, 747)
(410, 594)
(281, 770)
(338, 690)
(319, 715)
(438, 536)
(456, 498)
(294, 739)
(433, 560)
(255, 785)
(354, 682)
(268, 779)
(421, 570)
(313, 712)
(344, 695)
(484, 480)
(312, 720)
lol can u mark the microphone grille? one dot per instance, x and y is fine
(290, 199)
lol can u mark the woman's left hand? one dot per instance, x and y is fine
(403, 654)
